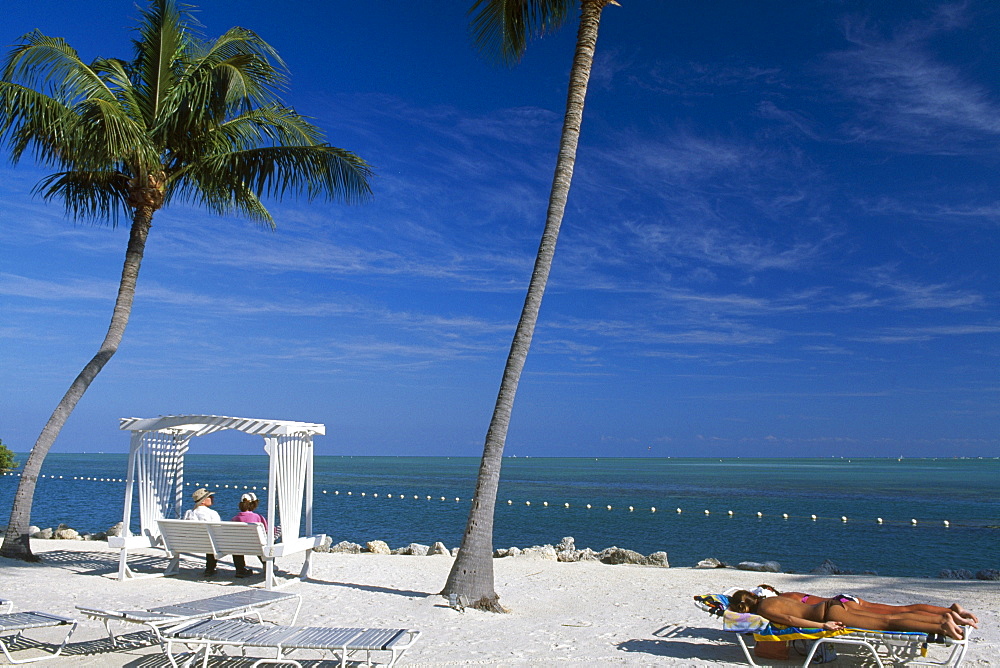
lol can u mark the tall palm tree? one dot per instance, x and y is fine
(501, 29)
(185, 120)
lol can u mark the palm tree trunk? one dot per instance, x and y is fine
(16, 544)
(471, 576)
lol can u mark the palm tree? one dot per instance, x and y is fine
(501, 29)
(186, 120)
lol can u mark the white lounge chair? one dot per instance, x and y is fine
(19, 622)
(344, 643)
(907, 648)
(247, 602)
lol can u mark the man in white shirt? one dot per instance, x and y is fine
(202, 512)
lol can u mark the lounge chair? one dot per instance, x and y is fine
(907, 648)
(247, 602)
(344, 643)
(19, 622)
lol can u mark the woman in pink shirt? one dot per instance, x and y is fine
(248, 504)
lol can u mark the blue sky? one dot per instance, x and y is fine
(781, 239)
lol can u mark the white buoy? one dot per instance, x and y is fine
(457, 498)
(527, 503)
(813, 518)
(913, 522)
(947, 523)
(375, 495)
(509, 502)
(442, 498)
(843, 518)
(388, 496)
(566, 504)
(545, 503)
(707, 513)
(588, 506)
(879, 520)
(730, 513)
(785, 515)
(653, 509)
(363, 493)
(760, 514)
(609, 507)
(678, 511)
(630, 508)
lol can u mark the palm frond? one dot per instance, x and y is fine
(111, 135)
(31, 119)
(222, 199)
(100, 196)
(276, 171)
(49, 64)
(162, 41)
(501, 29)
(116, 73)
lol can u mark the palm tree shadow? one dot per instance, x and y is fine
(678, 641)
(408, 593)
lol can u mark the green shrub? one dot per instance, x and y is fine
(7, 461)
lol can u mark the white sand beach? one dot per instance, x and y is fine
(574, 614)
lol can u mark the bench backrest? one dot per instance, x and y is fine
(218, 538)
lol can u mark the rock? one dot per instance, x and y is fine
(377, 547)
(567, 555)
(619, 555)
(324, 545)
(509, 552)
(438, 549)
(586, 554)
(955, 574)
(540, 552)
(115, 530)
(418, 550)
(346, 547)
(988, 574)
(454, 551)
(830, 568)
(658, 559)
(565, 544)
(44, 534)
(67, 534)
(766, 567)
(32, 530)
(710, 562)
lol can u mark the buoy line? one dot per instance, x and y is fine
(706, 512)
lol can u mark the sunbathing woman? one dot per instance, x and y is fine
(855, 603)
(832, 615)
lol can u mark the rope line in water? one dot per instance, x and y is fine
(632, 509)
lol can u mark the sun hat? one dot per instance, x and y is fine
(249, 496)
(200, 494)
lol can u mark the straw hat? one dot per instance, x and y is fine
(200, 494)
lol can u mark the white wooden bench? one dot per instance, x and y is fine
(222, 538)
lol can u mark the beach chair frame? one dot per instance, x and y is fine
(242, 603)
(213, 635)
(19, 622)
(910, 649)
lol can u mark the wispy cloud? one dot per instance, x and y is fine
(907, 97)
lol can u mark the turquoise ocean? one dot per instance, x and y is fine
(366, 498)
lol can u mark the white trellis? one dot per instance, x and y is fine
(156, 470)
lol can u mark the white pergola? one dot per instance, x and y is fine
(156, 471)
